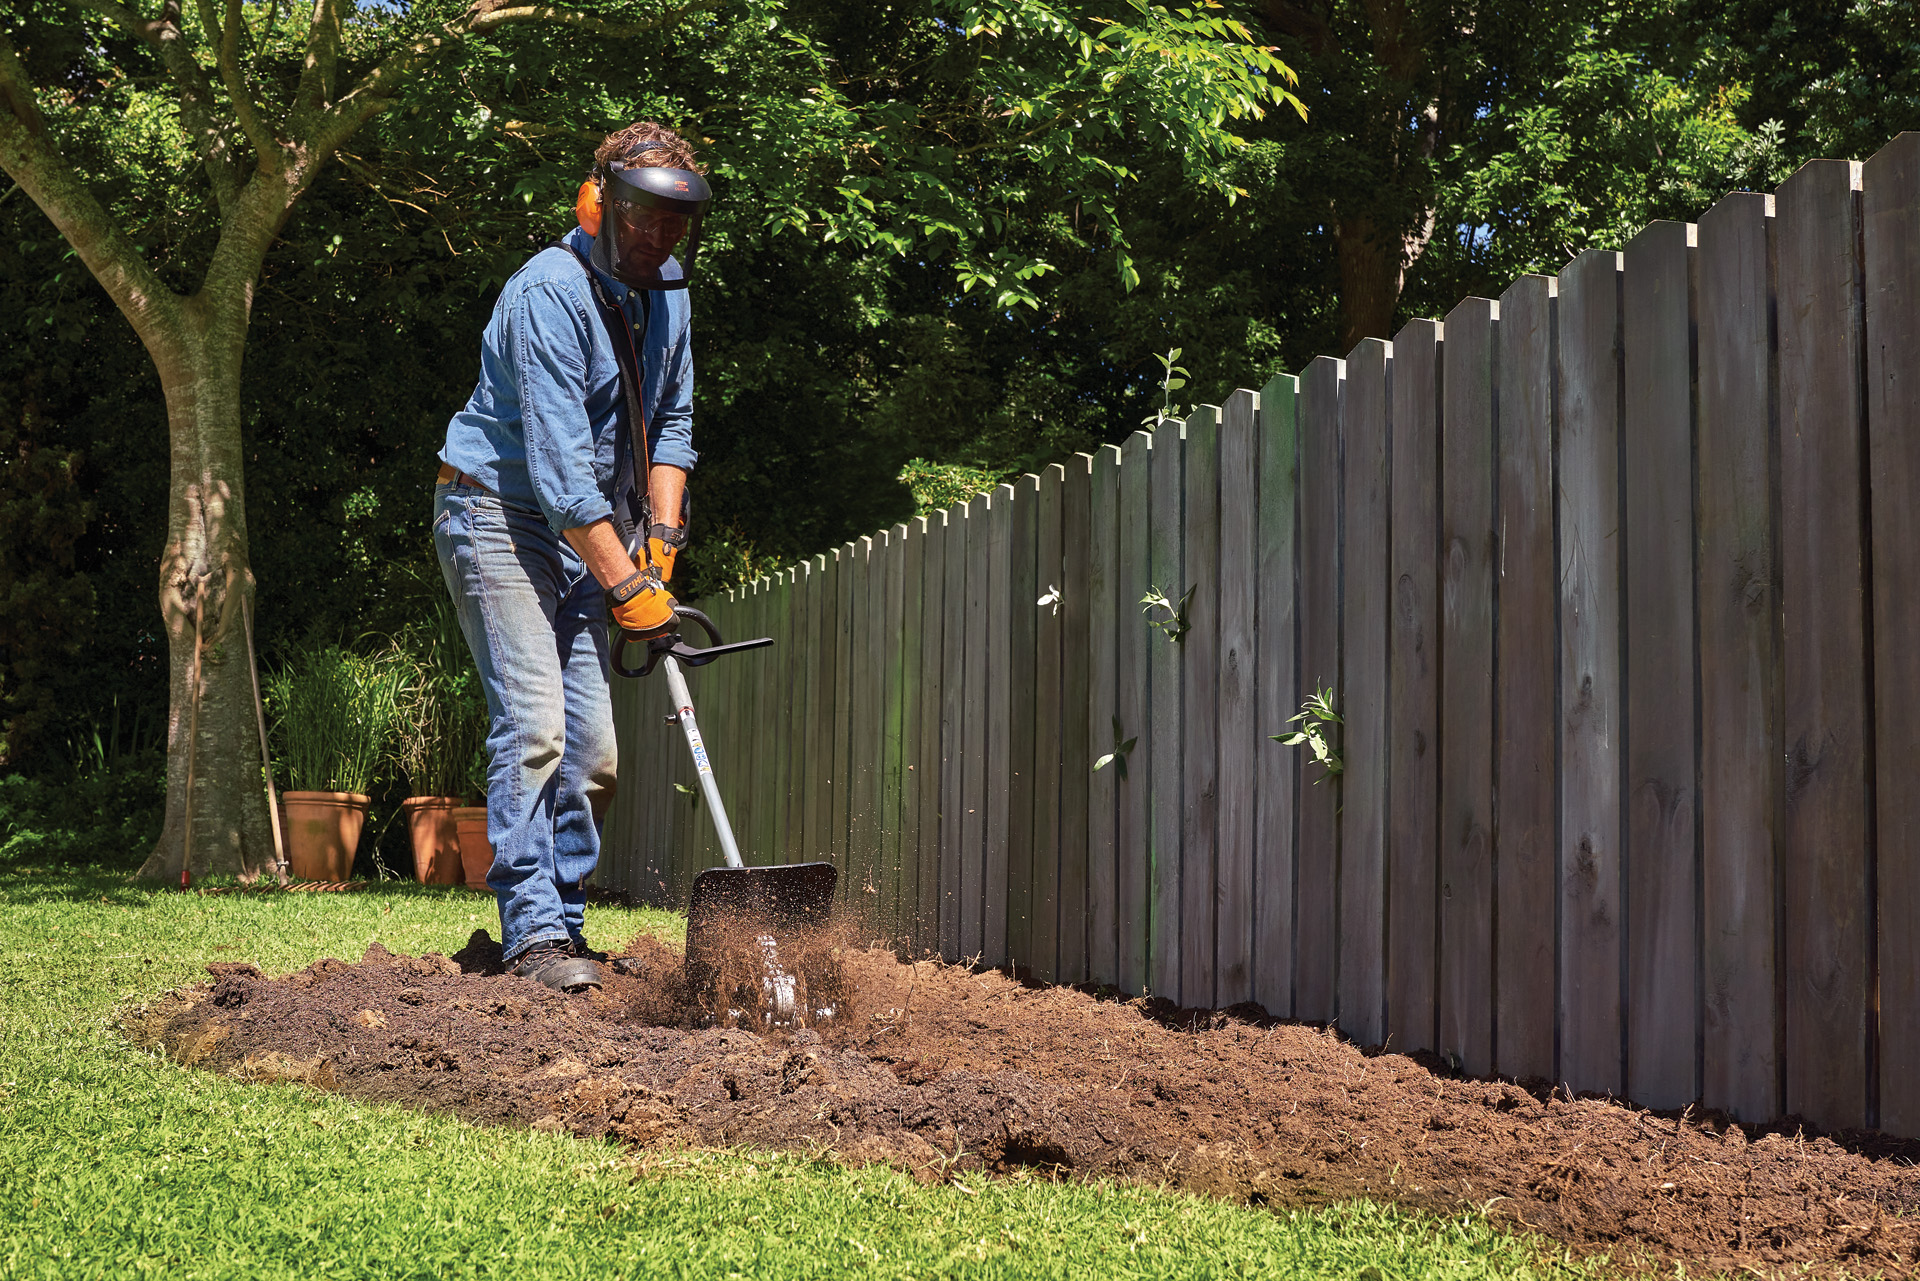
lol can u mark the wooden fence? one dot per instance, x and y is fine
(1614, 579)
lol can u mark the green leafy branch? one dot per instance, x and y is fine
(1315, 717)
(1118, 756)
(1173, 377)
(1175, 624)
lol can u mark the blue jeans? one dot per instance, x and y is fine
(536, 622)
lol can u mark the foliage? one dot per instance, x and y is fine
(1316, 719)
(938, 486)
(106, 813)
(113, 1158)
(334, 713)
(1175, 624)
(1173, 378)
(442, 717)
(1118, 756)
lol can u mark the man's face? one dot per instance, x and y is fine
(647, 236)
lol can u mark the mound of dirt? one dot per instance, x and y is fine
(939, 1069)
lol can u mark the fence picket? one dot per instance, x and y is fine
(1739, 593)
(955, 702)
(1015, 822)
(1657, 492)
(1527, 696)
(907, 692)
(1316, 850)
(890, 638)
(1076, 684)
(1163, 782)
(1133, 833)
(1413, 675)
(977, 695)
(928, 761)
(1467, 574)
(1827, 855)
(1590, 939)
(1892, 236)
(1104, 601)
(1277, 694)
(1044, 887)
(1239, 726)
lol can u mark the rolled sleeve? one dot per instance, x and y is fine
(550, 341)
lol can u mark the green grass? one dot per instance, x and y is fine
(116, 1163)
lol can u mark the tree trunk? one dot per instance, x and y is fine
(1373, 266)
(204, 578)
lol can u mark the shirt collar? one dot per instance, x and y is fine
(582, 242)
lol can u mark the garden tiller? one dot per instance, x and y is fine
(753, 933)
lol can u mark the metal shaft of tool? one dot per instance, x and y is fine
(683, 709)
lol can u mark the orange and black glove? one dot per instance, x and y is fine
(642, 604)
(664, 542)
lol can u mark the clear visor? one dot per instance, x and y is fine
(639, 244)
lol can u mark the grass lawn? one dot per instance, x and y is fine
(114, 1163)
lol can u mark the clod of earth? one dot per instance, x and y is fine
(941, 1070)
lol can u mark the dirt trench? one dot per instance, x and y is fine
(938, 1070)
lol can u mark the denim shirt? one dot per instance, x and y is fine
(540, 429)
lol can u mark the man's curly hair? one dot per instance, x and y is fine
(628, 147)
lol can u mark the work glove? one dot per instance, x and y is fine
(665, 542)
(642, 604)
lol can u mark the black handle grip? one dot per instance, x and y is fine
(671, 643)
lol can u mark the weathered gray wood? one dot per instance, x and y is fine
(1657, 483)
(1105, 603)
(1413, 676)
(1366, 591)
(1527, 697)
(894, 629)
(1239, 719)
(817, 744)
(1827, 855)
(1892, 236)
(1003, 656)
(1590, 876)
(863, 726)
(1164, 728)
(956, 699)
(977, 696)
(1277, 773)
(1021, 632)
(1739, 595)
(1045, 889)
(1077, 683)
(846, 694)
(1317, 849)
(1469, 548)
(1200, 747)
(1133, 835)
(910, 692)
(928, 765)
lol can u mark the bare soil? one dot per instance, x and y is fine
(938, 1069)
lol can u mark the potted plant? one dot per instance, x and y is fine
(476, 851)
(333, 712)
(443, 722)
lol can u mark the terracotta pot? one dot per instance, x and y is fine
(323, 832)
(436, 841)
(476, 853)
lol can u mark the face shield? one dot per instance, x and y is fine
(645, 213)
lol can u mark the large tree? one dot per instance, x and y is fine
(263, 111)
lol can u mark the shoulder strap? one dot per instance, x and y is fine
(619, 333)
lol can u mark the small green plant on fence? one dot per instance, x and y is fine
(1118, 756)
(334, 713)
(1172, 378)
(1315, 717)
(1175, 623)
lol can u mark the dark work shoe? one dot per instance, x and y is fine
(555, 965)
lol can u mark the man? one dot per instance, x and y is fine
(534, 522)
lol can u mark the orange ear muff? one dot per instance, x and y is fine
(586, 207)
